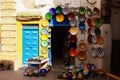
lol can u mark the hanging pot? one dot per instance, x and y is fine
(48, 16)
(82, 55)
(81, 26)
(99, 52)
(98, 22)
(73, 22)
(44, 22)
(65, 10)
(58, 10)
(99, 40)
(52, 11)
(59, 17)
(82, 47)
(70, 16)
(73, 30)
(73, 52)
(89, 12)
(82, 10)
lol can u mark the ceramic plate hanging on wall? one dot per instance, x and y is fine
(73, 30)
(97, 31)
(98, 22)
(44, 43)
(44, 50)
(59, 17)
(73, 52)
(73, 22)
(73, 38)
(44, 31)
(92, 51)
(96, 11)
(99, 40)
(99, 52)
(94, 39)
(65, 10)
(89, 12)
(52, 11)
(82, 55)
(82, 10)
(48, 16)
(89, 22)
(58, 10)
(82, 47)
(81, 26)
(44, 23)
(70, 16)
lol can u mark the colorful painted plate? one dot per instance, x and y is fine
(59, 17)
(44, 50)
(73, 52)
(96, 11)
(98, 22)
(52, 11)
(81, 26)
(70, 16)
(89, 12)
(89, 22)
(58, 10)
(73, 38)
(99, 40)
(97, 31)
(44, 31)
(73, 22)
(82, 10)
(99, 52)
(45, 23)
(44, 37)
(82, 47)
(82, 55)
(44, 43)
(94, 39)
(48, 16)
(89, 38)
(65, 10)
(73, 30)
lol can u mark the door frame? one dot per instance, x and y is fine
(19, 38)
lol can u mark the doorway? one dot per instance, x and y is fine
(59, 44)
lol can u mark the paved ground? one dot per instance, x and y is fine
(18, 75)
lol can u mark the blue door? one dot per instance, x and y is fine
(30, 45)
